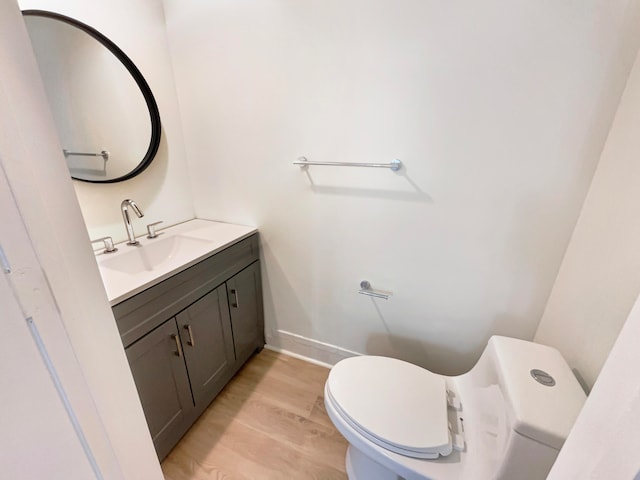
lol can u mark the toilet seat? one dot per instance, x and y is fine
(396, 405)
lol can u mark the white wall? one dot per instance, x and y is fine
(36, 171)
(162, 191)
(499, 111)
(605, 440)
(600, 274)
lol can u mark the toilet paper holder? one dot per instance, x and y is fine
(365, 289)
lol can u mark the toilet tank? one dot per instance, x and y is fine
(540, 390)
(542, 399)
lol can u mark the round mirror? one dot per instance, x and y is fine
(105, 113)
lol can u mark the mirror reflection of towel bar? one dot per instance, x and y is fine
(104, 154)
(365, 289)
(395, 165)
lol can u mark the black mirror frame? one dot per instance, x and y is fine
(154, 113)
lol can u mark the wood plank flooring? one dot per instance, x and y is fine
(268, 423)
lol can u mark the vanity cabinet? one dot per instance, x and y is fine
(188, 335)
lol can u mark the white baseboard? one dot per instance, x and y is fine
(313, 351)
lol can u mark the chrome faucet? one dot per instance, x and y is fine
(124, 206)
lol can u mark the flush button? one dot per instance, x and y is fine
(543, 377)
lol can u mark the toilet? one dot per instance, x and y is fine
(506, 418)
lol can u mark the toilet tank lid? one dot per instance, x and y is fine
(544, 395)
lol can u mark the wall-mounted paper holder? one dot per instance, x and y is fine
(365, 289)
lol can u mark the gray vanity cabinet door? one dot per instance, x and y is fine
(244, 291)
(205, 330)
(161, 378)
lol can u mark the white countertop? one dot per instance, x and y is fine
(133, 269)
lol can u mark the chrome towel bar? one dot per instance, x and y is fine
(365, 289)
(394, 165)
(104, 154)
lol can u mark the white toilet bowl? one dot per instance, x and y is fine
(503, 419)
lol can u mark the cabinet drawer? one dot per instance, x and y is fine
(145, 311)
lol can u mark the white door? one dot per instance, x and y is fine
(38, 439)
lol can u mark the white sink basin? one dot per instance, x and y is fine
(133, 269)
(152, 256)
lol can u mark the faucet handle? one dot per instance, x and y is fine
(108, 244)
(151, 230)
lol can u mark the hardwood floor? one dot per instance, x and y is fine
(268, 423)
